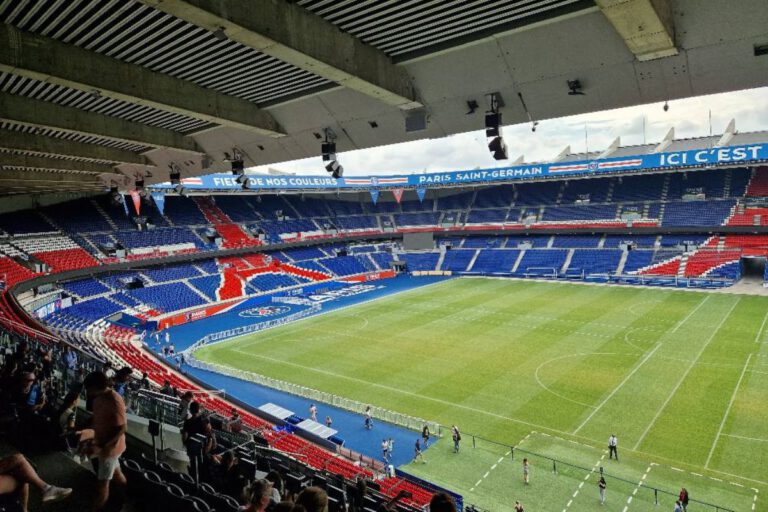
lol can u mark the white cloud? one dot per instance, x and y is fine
(690, 117)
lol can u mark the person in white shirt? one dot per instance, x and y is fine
(313, 412)
(613, 447)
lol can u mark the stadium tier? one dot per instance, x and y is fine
(492, 231)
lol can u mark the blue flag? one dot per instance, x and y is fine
(159, 199)
(374, 195)
(422, 193)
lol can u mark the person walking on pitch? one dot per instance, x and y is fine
(613, 447)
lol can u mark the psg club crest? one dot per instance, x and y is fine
(263, 311)
(593, 166)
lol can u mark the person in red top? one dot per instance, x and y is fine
(108, 442)
(684, 498)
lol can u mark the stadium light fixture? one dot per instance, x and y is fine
(498, 148)
(328, 151)
(335, 168)
(496, 144)
(175, 173)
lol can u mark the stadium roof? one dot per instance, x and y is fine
(114, 89)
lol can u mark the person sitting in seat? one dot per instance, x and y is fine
(17, 474)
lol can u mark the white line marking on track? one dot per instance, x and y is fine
(746, 438)
(617, 388)
(689, 315)
(685, 374)
(727, 411)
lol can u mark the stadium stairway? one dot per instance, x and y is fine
(758, 185)
(231, 233)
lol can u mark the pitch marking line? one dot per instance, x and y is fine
(727, 411)
(685, 374)
(496, 465)
(586, 477)
(746, 438)
(689, 315)
(639, 484)
(760, 331)
(617, 388)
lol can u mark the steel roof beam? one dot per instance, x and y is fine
(32, 112)
(45, 162)
(43, 145)
(52, 61)
(288, 32)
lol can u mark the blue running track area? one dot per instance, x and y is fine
(332, 297)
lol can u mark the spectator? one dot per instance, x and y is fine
(32, 396)
(235, 422)
(259, 494)
(66, 415)
(277, 485)
(70, 359)
(684, 498)
(145, 381)
(442, 502)
(186, 399)
(16, 475)
(123, 378)
(108, 443)
(313, 499)
(192, 427)
(167, 389)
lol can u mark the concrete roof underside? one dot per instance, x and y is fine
(138, 85)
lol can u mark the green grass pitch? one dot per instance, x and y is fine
(553, 368)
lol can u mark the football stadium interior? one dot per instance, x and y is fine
(381, 340)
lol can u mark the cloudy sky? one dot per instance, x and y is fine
(690, 118)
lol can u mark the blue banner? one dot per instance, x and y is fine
(422, 193)
(159, 199)
(374, 195)
(680, 160)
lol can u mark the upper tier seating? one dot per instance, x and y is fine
(758, 186)
(537, 193)
(496, 216)
(495, 197)
(595, 190)
(638, 188)
(710, 183)
(580, 212)
(183, 211)
(697, 213)
(24, 222)
(417, 219)
(78, 216)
